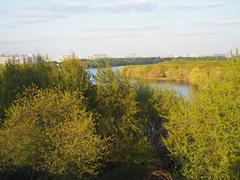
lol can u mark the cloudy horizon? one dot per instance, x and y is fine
(117, 28)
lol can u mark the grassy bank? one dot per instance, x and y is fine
(189, 71)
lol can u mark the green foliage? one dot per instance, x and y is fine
(129, 172)
(191, 71)
(16, 77)
(71, 76)
(66, 127)
(59, 132)
(204, 135)
(140, 61)
(116, 103)
(51, 131)
(120, 118)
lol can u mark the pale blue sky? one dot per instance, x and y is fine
(119, 27)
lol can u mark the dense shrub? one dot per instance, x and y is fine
(204, 134)
(191, 71)
(51, 131)
(122, 120)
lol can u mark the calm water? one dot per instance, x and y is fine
(94, 70)
(182, 89)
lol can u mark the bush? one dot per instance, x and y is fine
(204, 135)
(122, 120)
(51, 131)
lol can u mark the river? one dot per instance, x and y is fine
(182, 89)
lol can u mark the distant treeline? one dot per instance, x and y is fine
(140, 60)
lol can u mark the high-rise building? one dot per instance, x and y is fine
(31, 58)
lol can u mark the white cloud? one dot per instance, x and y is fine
(51, 39)
(193, 7)
(226, 22)
(133, 29)
(189, 34)
(111, 6)
(42, 12)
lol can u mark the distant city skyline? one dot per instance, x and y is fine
(119, 28)
(32, 58)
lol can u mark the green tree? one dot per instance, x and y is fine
(116, 103)
(71, 75)
(204, 135)
(16, 77)
(51, 131)
(119, 119)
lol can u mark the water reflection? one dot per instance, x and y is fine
(182, 89)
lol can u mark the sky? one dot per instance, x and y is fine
(119, 27)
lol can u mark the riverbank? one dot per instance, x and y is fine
(182, 89)
(193, 72)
